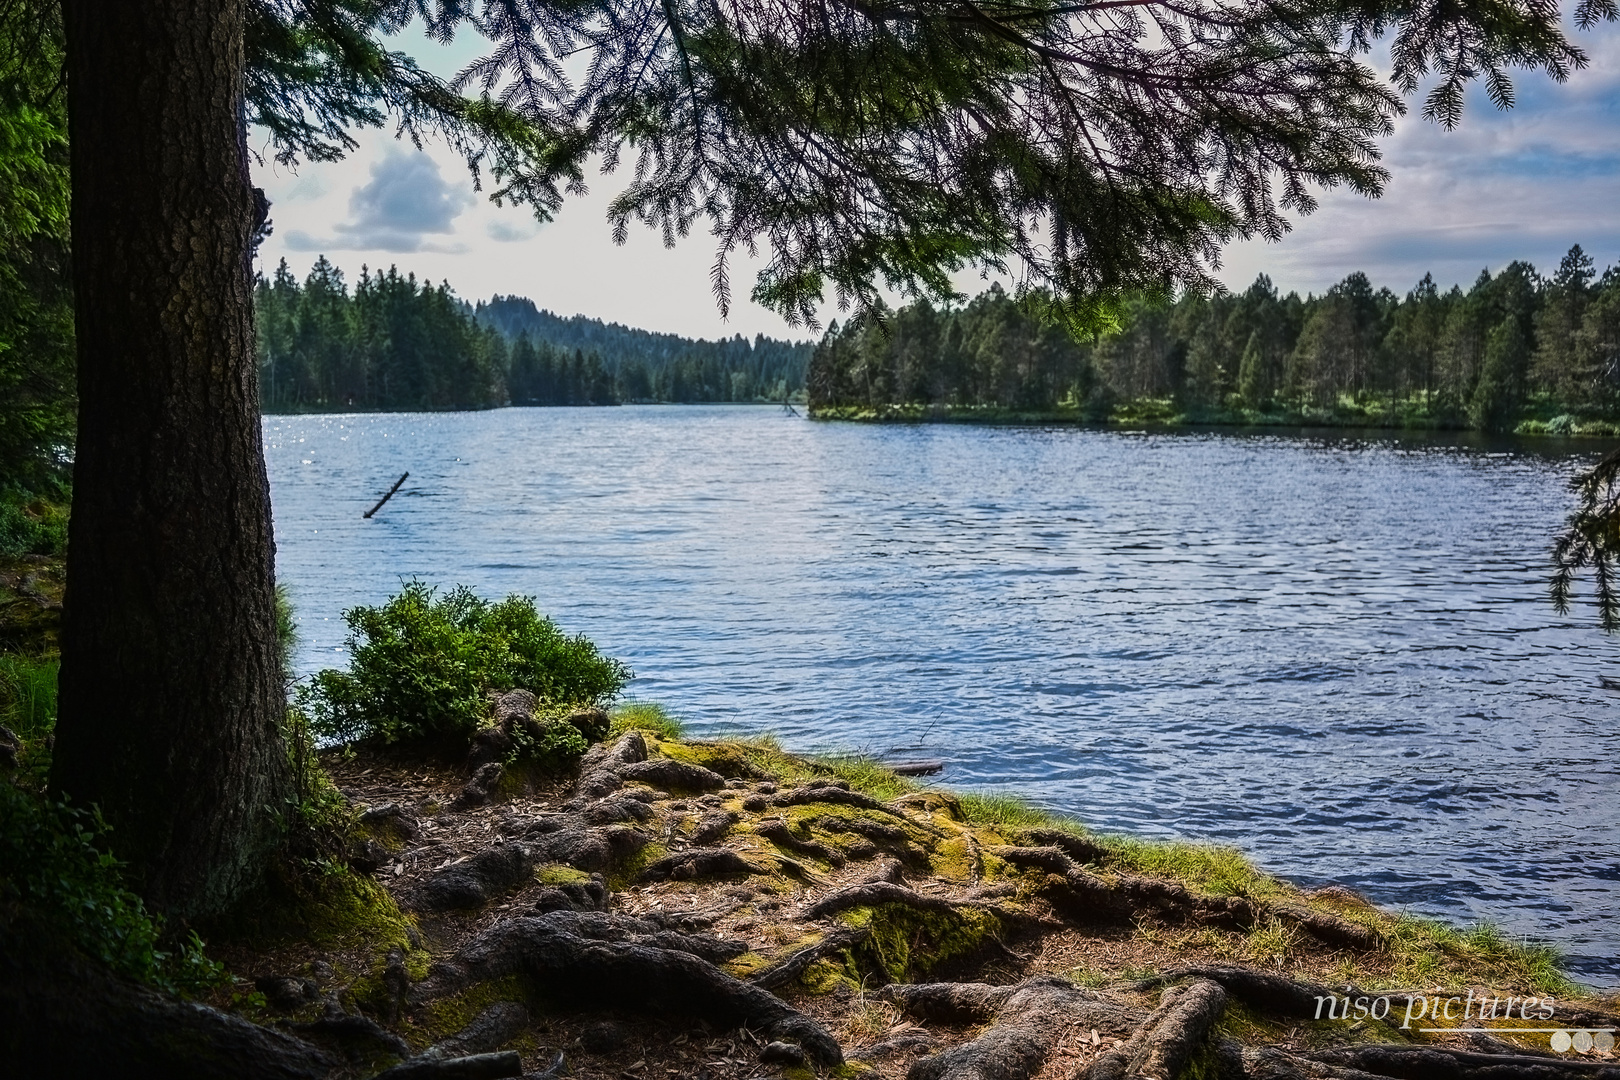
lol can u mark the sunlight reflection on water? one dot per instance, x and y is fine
(1333, 652)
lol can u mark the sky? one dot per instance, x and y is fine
(1521, 184)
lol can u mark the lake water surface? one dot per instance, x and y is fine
(1334, 652)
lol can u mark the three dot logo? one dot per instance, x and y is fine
(1583, 1041)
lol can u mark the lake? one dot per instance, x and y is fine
(1333, 650)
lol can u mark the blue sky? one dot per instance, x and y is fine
(1522, 184)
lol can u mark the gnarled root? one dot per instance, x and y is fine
(777, 832)
(64, 1016)
(1166, 1044)
(699, 863)
(1275, 994)
(786, 970)
(871, 895)
(492, 1066)
(1080, 894)
(1424, 1061)
(601, 960)
(1033, 1017)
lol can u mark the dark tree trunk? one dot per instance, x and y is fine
(171, 694)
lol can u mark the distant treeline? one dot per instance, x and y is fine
(396, 343)
(643, 365)
(1515, 351)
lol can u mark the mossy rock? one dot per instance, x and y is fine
(447, 1015)
(907, 944)
(332, 907)
(560, 874)
(727, 759)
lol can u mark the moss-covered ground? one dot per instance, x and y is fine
(1001, 919)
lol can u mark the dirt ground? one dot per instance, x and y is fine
(623, 846)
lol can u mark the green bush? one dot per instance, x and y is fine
(52, 864)
(422, 666)
(32, 523)
(554, 743)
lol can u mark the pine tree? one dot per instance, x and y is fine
(1557, 325)
(865, 145)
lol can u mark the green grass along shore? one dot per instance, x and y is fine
(1167, 414)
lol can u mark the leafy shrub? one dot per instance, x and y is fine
(33, 524)
(421, 666)
(287, 636)
(52, 864)
(558, 742)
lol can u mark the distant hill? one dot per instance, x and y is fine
(393, 342)
(645, 365)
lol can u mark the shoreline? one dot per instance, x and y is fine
(851, 896)
(1168, 420)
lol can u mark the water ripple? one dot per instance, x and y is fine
(1333, 652)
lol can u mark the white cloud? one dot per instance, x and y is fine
(510, 232)
(1524, 184)
(405, 201)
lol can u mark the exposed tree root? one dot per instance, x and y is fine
(616, 810)
(574, 896)
(1088, 897)
(712, 827)
(896, 1047)
(1423, 1063)
(871, 895)
(357, 1038)
(590, 850)
(1276, 994)
(695, 863)
(1169, 1040)
(561, 838)
(66, 1017)
(1329, 929)
(1078, 893)
(495, 1026)
(672, 775)
(777, 832)
(572, 941)
(1079, 848)
(837, 796)
(472, 1067)
(786, 971)
(602, 960)
(478, 880)
(1032, 1018)
(599, 770)
(950, 1003)
(880, 836)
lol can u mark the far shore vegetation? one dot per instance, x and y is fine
(1517, 352)
(393, 343)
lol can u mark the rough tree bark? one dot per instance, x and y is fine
(171, 694)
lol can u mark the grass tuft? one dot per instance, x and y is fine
(1004, 811)
(645, 716)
